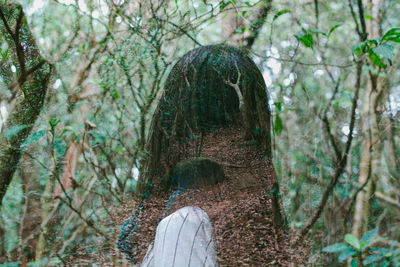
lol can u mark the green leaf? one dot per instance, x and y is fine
(53, 122)
(353, 263)
(373, 258)
(278, 126)
(365, 46)
(14, 130)
(114, 94)
(347, 253)
(333, 29)
(368, 16)
(223, 5)
(119, 149)
(338, 247)
(280, 13)
(36, 136)
(368, 238)
(306, 39)
(392, 35)
(247, 3)
(98, 138)
(278, 106)
(358, 49)
(376, 60)
(4, 54)
(10, 264)
(374, 41)
(380, 250)
(59, 147)
(384, 50)
(352, 240)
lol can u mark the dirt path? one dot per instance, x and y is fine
(239, 208)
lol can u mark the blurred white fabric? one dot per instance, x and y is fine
(183, 239)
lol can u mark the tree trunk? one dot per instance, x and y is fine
(31, 86)
(30, 220)
(371, 146)
(46, 207)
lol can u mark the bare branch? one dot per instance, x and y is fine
(3, 18)
(18, 45)
(353, 14)
(332, 138)
(339, 167)
(364, 34)
(236, 87)
(387, 199)
(36, 67)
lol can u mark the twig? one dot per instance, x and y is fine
(87, 221)
(339, 167)
(3, 18)
(387, 199)
(346, 65)
(362, 20)
(236, 87)
(353, 14)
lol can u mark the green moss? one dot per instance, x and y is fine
(197, 93)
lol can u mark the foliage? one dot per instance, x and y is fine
(365, 251)
(379, 48)
(111, 60)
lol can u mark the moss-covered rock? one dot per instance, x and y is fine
(196, 173)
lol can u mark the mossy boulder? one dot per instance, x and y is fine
(196, 173)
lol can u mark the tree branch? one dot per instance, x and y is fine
(18, 45)
(339, 167)
(335, 146)
(388, 199)
(36, 67)
(3, 18)
(364, 34)
(353, 14)
(257, 25)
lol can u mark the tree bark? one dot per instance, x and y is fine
(30, 219)
(371, 146)
(46, 207)
(32, 86)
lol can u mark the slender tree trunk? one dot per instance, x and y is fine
(30, 220)
(393, 160)
(370, 148)
(230, 28)
(2, 239)
(46, 207)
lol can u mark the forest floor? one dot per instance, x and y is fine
(240, 209)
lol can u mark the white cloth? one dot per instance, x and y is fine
(183, 239)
